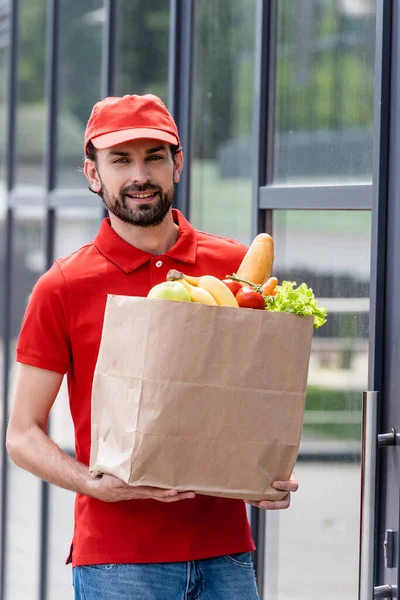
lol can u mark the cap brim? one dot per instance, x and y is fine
(126, 135)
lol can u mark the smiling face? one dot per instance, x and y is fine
(136, 180)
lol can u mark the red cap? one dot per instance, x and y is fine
(116, 120)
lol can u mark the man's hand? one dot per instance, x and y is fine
(111, 489)
(286, 486)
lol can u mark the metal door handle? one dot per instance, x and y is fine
(389, 439)
(385, 591)
(367, 509)
(370, 443)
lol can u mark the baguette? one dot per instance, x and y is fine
(256, 265)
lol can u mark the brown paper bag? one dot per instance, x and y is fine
(202, 398)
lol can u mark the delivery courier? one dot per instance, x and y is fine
(158, 388)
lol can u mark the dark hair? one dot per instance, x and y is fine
(91, 152)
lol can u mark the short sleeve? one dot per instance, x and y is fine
(44, 340)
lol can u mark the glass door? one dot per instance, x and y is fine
(315, 126)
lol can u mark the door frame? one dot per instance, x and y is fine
(384, 372)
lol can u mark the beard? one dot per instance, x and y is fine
(145, 214)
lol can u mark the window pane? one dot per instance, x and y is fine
(142, 47)
(31, 117)
(75, 227)
(3, 196)
(324, 90)
(61, 529)
(330, 251)
(3, 109)
(222, 117)
(23, 523)
(79, 73)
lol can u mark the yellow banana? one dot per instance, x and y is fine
(198, 294)
(214, 286)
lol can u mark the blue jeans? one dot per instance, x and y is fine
(222, 578)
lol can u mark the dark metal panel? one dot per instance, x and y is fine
(379, 190)
(12, 98)
(45, 492)
(263, 113)
(180, 88)
(386, 274)
(53, 65)
(262, 157)
(108, 69)
(8, 224)
(6, 287)
(318, 197)
(109, 48)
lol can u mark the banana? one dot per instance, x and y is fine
(198, 294)
(214, 286)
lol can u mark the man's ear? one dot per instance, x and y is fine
(90, 170)
(178, 166)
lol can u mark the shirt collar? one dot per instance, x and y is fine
(128, 257)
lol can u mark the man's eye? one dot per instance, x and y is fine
(120, 161)
(155, 157)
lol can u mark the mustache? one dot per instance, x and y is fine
(135, 189)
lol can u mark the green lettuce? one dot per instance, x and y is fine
(299, 301)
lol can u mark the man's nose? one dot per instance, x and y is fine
(139, 173)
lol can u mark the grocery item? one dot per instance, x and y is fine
(252, 286)
(257, 263)
(299, 301)
(234, 286)
(170, 290)
(214, 286)
(198, 294)
(268, 288)
(247, 297)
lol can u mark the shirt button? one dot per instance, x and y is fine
(159, 263)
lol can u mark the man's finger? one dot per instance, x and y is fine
(286, 486)
(275, 504)
(178, 497)
(256, 504)
(154, 492)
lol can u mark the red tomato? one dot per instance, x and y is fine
(234, 286)
(249, 298)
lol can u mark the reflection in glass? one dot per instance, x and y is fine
(142, 53)
(3, 197)
(330, 251)
(79, 73)
(31, 114)
(222, 117)
(61, 528)
(3, 108)
(23, 533)
(324, 90)
(75, 227)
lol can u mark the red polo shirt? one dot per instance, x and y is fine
(61, 332)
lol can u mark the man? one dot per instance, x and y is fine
(140, 542)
